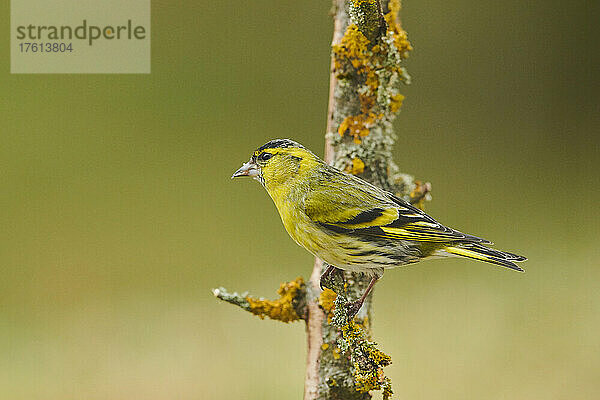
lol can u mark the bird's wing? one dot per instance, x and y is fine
(413, 224)
(366, 210)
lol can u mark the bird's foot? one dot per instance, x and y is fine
(353, 307)
(326, 280)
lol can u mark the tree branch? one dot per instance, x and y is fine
(290, 306)
(368, 48)
(314, 333)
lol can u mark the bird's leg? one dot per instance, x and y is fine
(356, 305)
(326, 276)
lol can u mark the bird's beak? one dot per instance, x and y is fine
(249, 169)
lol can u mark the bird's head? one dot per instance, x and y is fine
(276, 162)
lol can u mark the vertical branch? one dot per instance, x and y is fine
(367, 48)
(315, 322)
(340, 22)
(314, 331)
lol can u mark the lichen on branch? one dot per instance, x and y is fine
(369, 74)
(289, 307)
(365, 362)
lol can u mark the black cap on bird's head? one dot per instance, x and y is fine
(278, 144)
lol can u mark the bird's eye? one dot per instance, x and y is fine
(265, 156)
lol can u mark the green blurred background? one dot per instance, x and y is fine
(118, 215)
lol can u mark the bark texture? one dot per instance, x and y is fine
(368, 48)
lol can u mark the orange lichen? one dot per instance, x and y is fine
(357, 167)
(396, 102)
(327, 300)
(281, 309)
(357, 126)
(356, 58)
(352, 48)
(336, 353)
(368, 361)
(367, 102)
(372, 80)
(353, 57)
(400, 36)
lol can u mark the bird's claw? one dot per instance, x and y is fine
(353, 308)
(326, 278)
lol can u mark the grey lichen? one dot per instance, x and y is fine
(234, 298)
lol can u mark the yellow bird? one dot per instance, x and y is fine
(349, 223)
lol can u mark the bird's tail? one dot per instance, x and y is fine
(482, 253)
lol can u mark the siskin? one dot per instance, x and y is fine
(349, 223)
